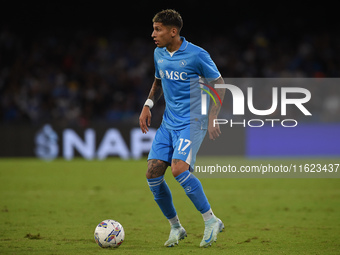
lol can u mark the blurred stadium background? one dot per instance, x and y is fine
(68, 69)
(73, 78)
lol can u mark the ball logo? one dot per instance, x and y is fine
(102, 224)
(113, 235)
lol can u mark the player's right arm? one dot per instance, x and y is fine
(145, 116)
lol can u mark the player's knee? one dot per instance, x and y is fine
(178, 166)
(176, 172)
(147, 174)
(156, 168)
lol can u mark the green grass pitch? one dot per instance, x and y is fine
(54, 207)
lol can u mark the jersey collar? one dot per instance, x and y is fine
(184, 44)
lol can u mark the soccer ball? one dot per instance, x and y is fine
(109, 234)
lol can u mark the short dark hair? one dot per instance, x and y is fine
(169, 17)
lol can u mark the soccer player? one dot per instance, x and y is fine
(179, 66)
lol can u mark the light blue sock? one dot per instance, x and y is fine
(194, 190)
(162, 195)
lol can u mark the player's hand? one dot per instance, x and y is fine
(214, 131)
(145, 119)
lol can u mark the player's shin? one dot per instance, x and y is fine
(194, 190)
(162, 196)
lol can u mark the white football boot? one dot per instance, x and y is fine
(176, 233)
(212, 228)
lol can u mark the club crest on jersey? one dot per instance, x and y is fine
(173, 75)
(182, 63)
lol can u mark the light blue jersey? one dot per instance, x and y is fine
(180, 73)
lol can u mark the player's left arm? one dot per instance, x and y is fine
(214, 129)
(208, 69)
